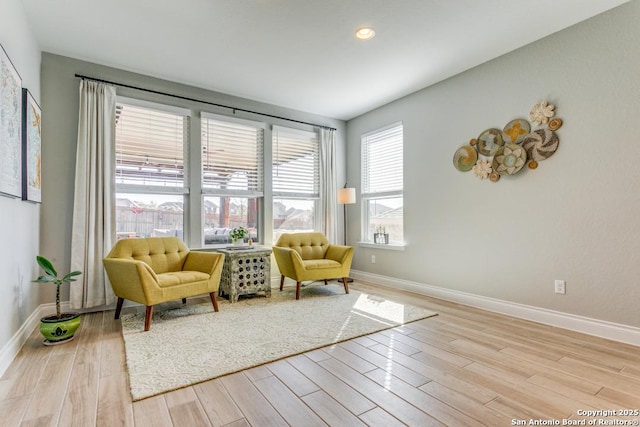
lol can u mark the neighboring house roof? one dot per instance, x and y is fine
(390, 213)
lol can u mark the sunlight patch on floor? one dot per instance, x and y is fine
(379, 309)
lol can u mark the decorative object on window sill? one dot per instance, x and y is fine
(381, 237)
(496, 153)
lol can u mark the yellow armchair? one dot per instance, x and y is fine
(310, 256)
(159, 269)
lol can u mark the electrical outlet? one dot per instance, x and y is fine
(373, 259)
(560, 286)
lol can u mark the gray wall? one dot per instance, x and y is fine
(60, 101)
(19, 221)
(575, 218)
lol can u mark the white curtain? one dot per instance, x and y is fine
(328, 184)
(93, 207)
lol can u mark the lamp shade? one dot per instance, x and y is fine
(346, 196)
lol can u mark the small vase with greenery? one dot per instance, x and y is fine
(60, 327)
(238, 234)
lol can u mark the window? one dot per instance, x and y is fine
(151, 145)
(382, 185)
(296, 181)
(232, 177)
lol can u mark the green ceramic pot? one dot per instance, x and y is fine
(59, 330)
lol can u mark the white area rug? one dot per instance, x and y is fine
(192, 344)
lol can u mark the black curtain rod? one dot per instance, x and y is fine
(186, 98)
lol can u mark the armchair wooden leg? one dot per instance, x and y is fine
(326, 282)
(298, 290)
(214, 301)
(118, 307)
(345, 282)
(281, 281)
(147, 318)
(184, 300)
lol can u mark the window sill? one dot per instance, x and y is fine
(379, 246)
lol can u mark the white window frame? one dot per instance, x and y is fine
(367, 195)
(154, 189)
(314, 195)
(249, 194)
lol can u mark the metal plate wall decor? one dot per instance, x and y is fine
(541, 144)
(554, 124)
(509, 159)
(515, 130)
(489, 141)
(464, 158)
(505, 152)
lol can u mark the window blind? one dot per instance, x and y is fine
(232, 157)
(296, 163)
(150, 146)
(382, 157)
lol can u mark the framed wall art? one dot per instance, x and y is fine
(31, 148)
(10, 128)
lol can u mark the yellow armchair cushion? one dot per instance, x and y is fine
(181, 277)
(314, 264)
(162, 254)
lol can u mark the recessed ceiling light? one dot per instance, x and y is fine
(365, 33)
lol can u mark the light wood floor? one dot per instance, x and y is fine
(464, 367)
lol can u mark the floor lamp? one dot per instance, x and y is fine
(346, 196)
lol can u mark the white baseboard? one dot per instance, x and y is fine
(586, 325)
(11, 349)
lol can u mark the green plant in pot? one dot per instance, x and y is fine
(238, 234)
(60, 327)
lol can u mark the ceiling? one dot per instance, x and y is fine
(300, 54)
